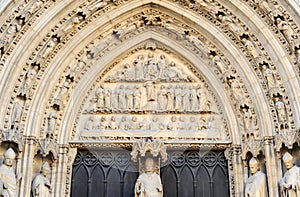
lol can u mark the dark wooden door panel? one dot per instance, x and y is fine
(111, 173)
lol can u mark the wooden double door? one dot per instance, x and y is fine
(111, 173)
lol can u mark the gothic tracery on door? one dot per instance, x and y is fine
(111, 173)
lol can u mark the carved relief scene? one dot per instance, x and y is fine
(152, 92)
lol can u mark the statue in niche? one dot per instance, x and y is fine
(150, 90)
(112, 124)
(230, 23)
(280, 109)
(173, 124)
(236, 89)
(193, 99)
(269, 75)
(149, 183)
(139, 67)
(248, 122)
(41, 186)
(107, 98)
(286, 29)
(129, 98)
(29, 78)
(220, 65)
(12, 31)
(87, 11)
(170, 98)
(264, 5)
(51, 122)
(290, 183)
(137, 97)
(35, 6)
(63, 91)
(256, 185)
(151, 71)
(68, 26)
(16, 113)
(251, 48)
(162, 98)
(185, 98)
(100, 97)
(8, 178)
(45, 51)
(178, 98)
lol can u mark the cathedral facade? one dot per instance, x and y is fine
(208, 88)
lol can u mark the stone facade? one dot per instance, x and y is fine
(207, 74)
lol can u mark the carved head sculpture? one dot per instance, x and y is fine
(254, 165)
(9, 157)
(288, 160)
(45, 168)
(149, 165)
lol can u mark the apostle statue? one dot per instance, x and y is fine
(8, 178)
(256, 185)
(41, 185)
(290, 183)
(148, 183)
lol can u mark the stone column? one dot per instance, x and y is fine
(63, 170)
(27, 166)
(235, 167)
(60, 174)
(271, 166)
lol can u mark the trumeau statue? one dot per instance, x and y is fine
(8, 178)
(256, 185)
(290, 183)
(41, 186)
(148, 183)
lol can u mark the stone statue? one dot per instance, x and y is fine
(256, 185)
(162, 98)
(8, 178)
(253, 51)
(100, 97)
(137, 96)
(107, 98)
(41, 185)
(290, 183)
(264, 5)
(280, 109)
(148, 184)
(29, 78)
(286, 29)
(129, 98)
(170, 98)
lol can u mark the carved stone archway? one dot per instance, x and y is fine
(55, 56)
